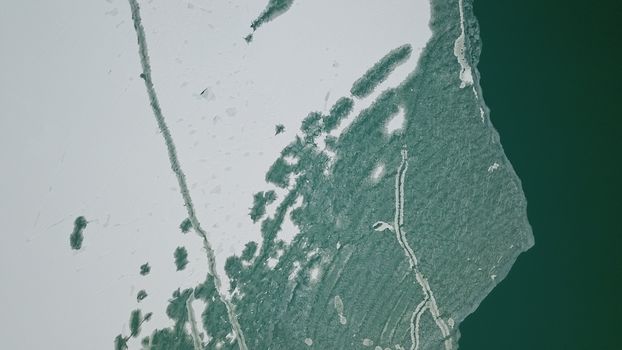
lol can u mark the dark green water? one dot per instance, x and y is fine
(551, 76)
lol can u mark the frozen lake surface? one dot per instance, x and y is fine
(348, 189)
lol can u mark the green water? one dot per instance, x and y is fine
(273, 9)
(380, 71)
(551, 76)
(77, 235)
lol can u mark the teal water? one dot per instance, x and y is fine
(551, 77)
